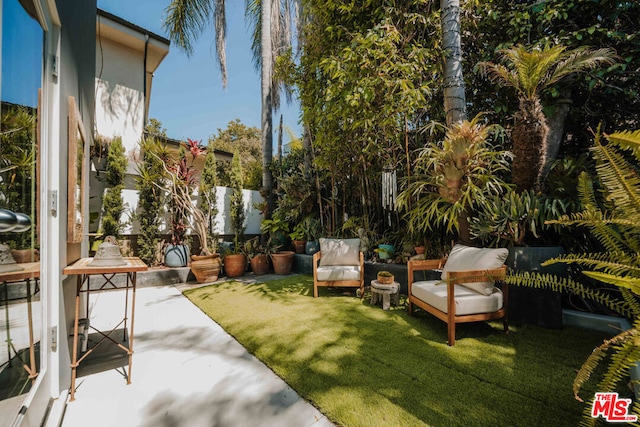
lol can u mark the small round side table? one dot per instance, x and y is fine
(388, 293)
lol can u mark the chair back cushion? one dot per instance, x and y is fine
(466, 258)
(339, 252)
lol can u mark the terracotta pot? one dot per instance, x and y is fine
(235, 265)
(385, 280)
(260, 264)
(299, 246)
(419, 250)
(206, 268)
(282, 262)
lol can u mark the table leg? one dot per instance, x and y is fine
(32, 351)
(133, 311)
(385, 301)
(6, 315)
(74, 358)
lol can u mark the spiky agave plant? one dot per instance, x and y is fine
(615, 221)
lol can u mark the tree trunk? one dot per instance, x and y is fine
(267, 118)
(280, 139)
(554, 138)
(454, 97)
(530, 131)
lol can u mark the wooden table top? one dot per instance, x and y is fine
(30, 270)
(134, 264)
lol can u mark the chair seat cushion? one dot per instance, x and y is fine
(338, 272)
(434, 293)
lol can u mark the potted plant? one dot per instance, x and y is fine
(276, 228)
(385, 251)
(312, 232)
(150, 198)
(282, 262)
(206, 266)
(298, 238)
(385, 277)
(235, 262)
(258, 255)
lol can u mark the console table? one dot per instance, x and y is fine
(84, 271)
(30, 270)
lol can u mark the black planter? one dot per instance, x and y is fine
(541, 307)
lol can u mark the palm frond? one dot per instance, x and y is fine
(598, 354)
(610, 237)
(620, 180)
(565, 284)
(581, 59)
(627, 140)
(186, 20)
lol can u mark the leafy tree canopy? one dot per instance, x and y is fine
(247, 142)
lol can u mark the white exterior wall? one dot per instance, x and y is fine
(119, 95)
(252, 221)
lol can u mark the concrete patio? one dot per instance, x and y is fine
(187, 371)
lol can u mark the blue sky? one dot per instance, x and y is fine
(187, 94)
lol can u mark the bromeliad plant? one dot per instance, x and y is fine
(181, 183)
(615, 221)
(454, 177)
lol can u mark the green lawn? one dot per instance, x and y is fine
(362, 366)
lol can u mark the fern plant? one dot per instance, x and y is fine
(615, 221)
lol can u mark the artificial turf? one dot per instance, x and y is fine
(362, 366)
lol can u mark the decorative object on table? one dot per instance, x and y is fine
(108, 254)
(385, 278)
(7, 263)
(11, 222)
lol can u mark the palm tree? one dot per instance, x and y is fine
(271, 20)
(530, 72)
(187, 19)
